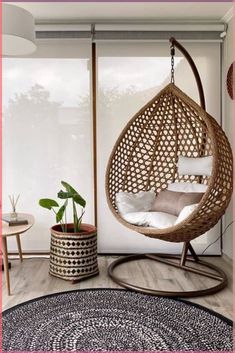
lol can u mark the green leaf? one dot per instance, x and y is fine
(60, 213)
(64, 195)
(79, 200)
(74, 194)
(48, 203)
(68, 187)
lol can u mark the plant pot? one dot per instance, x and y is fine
(73, 256)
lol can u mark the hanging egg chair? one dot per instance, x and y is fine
(145, 158)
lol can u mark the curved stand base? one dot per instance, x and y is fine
(217, 274)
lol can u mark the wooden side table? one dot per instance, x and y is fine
(13, 231)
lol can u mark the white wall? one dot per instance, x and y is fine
(228, 120)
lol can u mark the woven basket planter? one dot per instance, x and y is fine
(73, 256)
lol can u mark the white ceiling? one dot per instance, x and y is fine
(145, 11)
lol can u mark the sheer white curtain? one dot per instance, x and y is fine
(47, 131)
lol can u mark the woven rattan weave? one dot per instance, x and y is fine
(231, 81)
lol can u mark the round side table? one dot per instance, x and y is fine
(8, 231)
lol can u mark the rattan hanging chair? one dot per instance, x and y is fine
(145, 157)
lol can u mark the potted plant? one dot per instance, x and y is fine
(73, 250)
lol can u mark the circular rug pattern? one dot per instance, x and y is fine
(113, 320)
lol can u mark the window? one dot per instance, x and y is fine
(47, 130)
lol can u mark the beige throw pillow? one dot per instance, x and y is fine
(173, 202)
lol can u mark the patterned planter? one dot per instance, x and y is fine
(73, 256)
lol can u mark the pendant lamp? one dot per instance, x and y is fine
(18, 32)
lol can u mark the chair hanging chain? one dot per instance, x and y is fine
(172, 63)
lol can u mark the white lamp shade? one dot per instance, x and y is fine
(18, 33)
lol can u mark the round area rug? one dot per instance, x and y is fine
(113, 320)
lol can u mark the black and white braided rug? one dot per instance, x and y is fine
(113, 320)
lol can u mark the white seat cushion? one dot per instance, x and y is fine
(159, 220)
(137, 218)
(187, 187)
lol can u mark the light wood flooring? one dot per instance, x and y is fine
(30, 279)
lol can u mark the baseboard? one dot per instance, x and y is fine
(47, 253)
(30, 253)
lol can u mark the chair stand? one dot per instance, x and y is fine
(217, 273)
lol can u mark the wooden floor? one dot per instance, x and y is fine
(30, 279)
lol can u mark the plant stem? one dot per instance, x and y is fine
(80, 218)
(65, 217)
(75, 218)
